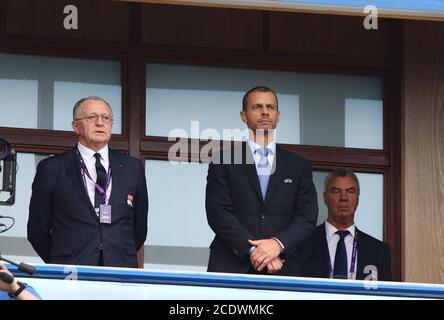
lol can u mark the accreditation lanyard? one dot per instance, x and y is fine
(352, 271)
(84, 171)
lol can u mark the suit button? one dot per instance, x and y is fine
(262, 215)
(96, 250)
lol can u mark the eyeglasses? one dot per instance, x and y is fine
(259, 107)
(92, 118)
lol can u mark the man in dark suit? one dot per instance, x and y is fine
(260, 199)
(89, 205)
(337, 248)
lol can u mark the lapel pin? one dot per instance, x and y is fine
(288, 181)
(129, 200)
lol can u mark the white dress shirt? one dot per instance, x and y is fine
(256, 156)
(90, 162)
(332, 241)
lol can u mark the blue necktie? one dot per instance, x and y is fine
(340, 268)
(263, 175)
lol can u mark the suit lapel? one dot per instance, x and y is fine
(77, 180)
(276, 177)
(116, 175)
(324, 255)
(250, 171)
(249, 168)
(363, 258)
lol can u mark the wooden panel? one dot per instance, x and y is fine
(98, 19)
(322, 157)
(202, 27)
(393, 135)
(328, 35)
(136, 96)
(424, 152)
(3, 4)
(49, 141)
(427, 11)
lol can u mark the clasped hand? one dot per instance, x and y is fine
(266, 254)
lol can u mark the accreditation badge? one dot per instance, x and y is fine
(105, 213)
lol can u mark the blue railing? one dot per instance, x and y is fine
(415, 5)
(293, 284)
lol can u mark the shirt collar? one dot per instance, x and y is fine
(87, 153)
(331, 230)
(254, 146)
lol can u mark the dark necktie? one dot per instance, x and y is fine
(99, 198)
(340, 268)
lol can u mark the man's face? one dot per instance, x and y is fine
(94, 134)
(262, 111)
(341, 199)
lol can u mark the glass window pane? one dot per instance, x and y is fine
(14, 241)
(181, 210)
(177, 204)
(178, 231)
(41, 91)
(363, 123)
(316, 109)
(369, 216)
(20, 97)
(195, 99)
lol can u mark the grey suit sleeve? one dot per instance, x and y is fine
(305, 213)
(141, 210)
(40, 210)
(220, 214)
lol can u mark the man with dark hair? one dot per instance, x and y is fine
(338, 249)
(89, 205)
(262, 206)
(257, 89)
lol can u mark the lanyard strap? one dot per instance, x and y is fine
(353, 260)
(84, 170)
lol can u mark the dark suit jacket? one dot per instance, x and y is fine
(236, 211)
(314, 256)
(63, 226)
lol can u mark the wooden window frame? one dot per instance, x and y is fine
(134, 56)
